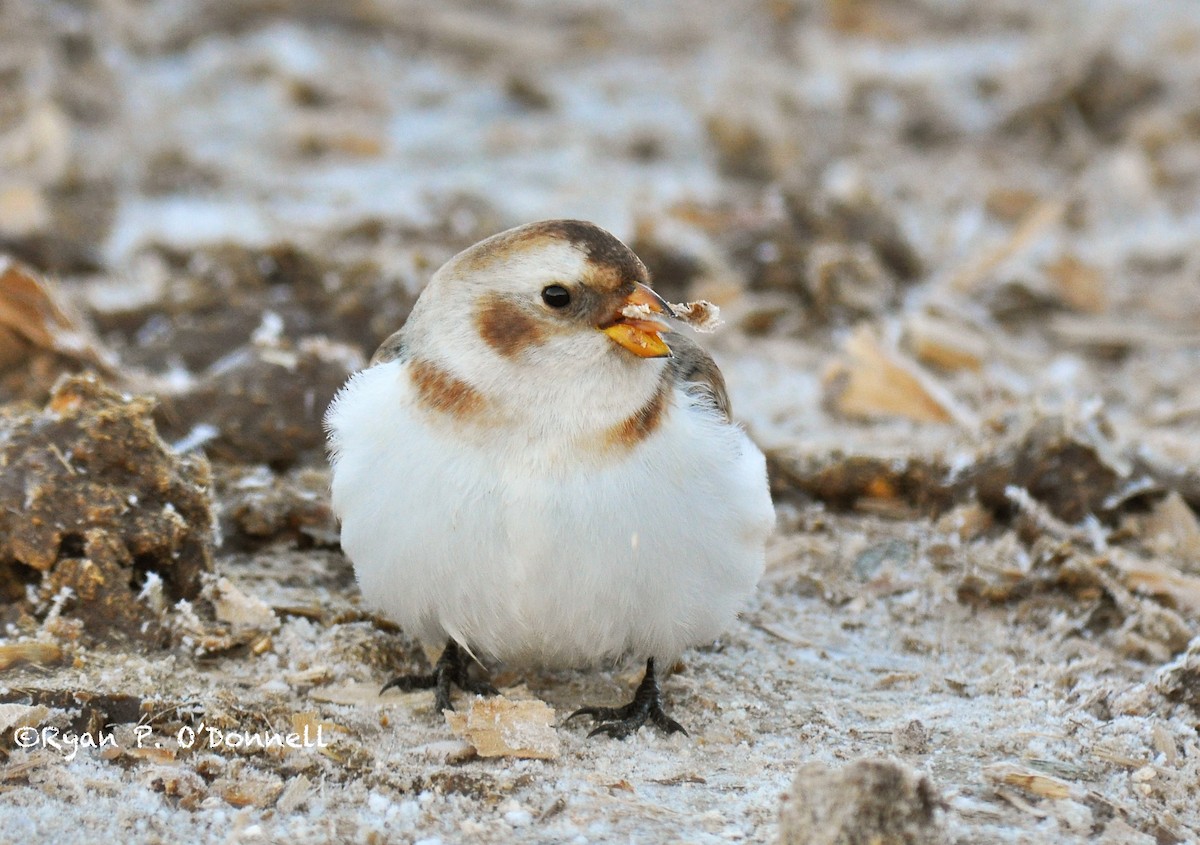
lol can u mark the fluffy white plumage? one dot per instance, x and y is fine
(491, 503)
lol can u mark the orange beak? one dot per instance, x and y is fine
(642, 336)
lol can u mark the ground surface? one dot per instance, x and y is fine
(957, 247)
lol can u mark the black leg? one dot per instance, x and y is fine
(620, 722)
(450, 670)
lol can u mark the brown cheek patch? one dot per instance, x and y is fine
(440, 391)
(645, 422)
(505, 327)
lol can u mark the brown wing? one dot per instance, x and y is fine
(389, 350)
(696, 370)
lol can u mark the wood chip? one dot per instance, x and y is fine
(153, 754)
(242, 611)
(41, 654)
(1080, 286)
(502, 727)
(874, 382)
(24, 211)
(1039, 219)
(1164, 744)
(32, 314)
(1010, 204)
(362, 694)
(942, 343)
(1027, 780)
(311, 730)
(295, 794)
(1020, 803)
(1172, 528)
(22, 715)
(1118, 332)
(248, 791)
(1161, 581)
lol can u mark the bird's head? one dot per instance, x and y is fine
(549, 283)
(539, 310)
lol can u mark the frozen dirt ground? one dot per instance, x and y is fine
(957, 247)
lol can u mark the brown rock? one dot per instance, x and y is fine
(265, 402)
(864, 803)
(1069, 466)
(1179, 680)
(259, 506)
(215, 298)
(92, 497)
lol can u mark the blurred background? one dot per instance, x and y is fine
(1006, 183)
(839, 158)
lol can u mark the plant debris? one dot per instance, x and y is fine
(502, 727)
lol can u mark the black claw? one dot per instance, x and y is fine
(408, 683)
(666, 724)
(601, 714)
(478, 687)
(615, 730)
(620, 722)
(450, 671)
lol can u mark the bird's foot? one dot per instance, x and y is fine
(451, 670)
(620, 722)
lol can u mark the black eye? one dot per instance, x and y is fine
(556, 296)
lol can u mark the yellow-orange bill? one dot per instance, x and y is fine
(640, 337)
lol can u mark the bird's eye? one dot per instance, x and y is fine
(556, 296)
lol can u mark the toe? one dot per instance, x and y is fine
(667, 725)
(594, 712)
(614, 730)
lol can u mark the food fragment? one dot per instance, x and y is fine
(701, 315)
(502, 727)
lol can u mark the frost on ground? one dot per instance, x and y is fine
(956, 249)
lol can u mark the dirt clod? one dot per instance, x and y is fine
(264, 402)
(864, 803)
(91, 497)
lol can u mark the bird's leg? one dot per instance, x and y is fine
(451, 669)
(620, 722)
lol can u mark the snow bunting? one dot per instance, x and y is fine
(532, 476)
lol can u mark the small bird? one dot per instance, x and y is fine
(529, 475)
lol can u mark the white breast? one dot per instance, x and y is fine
(555, 563)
